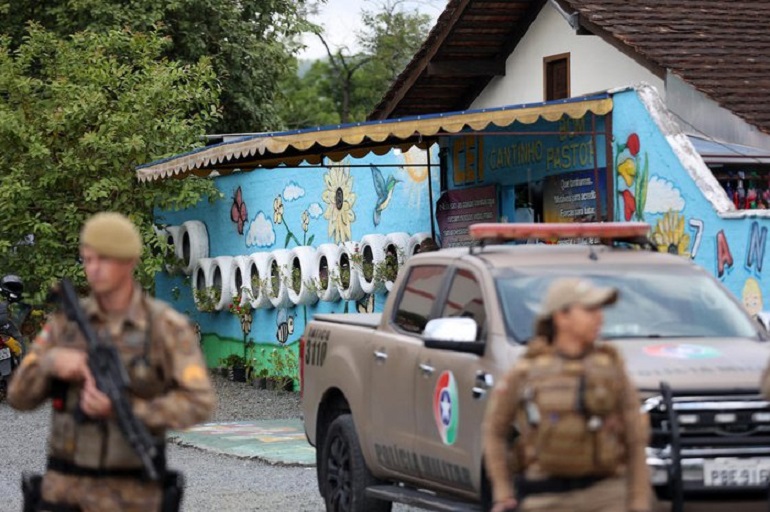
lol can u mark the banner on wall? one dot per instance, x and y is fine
(575, 197)
(458, 209)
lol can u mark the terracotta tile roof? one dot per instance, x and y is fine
(721, 47)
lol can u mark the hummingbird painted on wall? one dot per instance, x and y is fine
(384, 191)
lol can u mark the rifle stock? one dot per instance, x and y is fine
(112, 379)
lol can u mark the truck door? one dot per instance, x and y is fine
(393, 372)
(450, 396)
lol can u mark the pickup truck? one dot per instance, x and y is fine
(394, 401)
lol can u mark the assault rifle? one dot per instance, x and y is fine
(111, 379)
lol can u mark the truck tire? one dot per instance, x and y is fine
(343, 471)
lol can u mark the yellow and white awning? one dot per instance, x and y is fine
(336, 142)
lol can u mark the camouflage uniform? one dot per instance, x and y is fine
(91, 465)
(568, 430)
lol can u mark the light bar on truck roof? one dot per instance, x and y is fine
(551, 231)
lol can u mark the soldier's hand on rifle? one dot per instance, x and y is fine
(69, 364)
(93, 402)
(508, 505)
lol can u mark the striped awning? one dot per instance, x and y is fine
(312, 145)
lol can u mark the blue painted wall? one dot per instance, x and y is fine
(268, 209)
(653, 186)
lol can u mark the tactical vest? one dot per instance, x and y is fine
(571, 414)
(100, 444)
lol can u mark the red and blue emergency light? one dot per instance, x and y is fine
(559, 230)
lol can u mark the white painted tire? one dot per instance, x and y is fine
(278, 261)
(414, 243)
(239, 276)
(258, 267)
(399, 243)
(303, 257)
(220, 279)
(201, 277)
(372, 249)
(327, 257)
(192, 243)
(353, 291)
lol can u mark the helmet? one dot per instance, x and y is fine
(11, 287)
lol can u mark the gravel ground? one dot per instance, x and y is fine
(214, 482)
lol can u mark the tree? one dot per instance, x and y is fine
(250, 42)
(76, 116)
(356, 82)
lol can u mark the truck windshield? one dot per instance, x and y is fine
(651, 305)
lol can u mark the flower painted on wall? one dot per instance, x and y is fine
(670, 236)
(277, 210)
(633, 172)
(238, 212)
(305, 219)
(339, 199)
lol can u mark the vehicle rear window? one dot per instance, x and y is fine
(418, 296)
(465, 299)
(651, 304)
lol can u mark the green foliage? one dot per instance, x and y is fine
(76, 117)
(250, 42)
(346, 87)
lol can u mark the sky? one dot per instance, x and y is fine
(342, 19)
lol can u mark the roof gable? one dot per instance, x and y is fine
(721, 47)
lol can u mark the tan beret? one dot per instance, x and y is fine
(112, 235)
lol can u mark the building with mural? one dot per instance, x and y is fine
(502, 126)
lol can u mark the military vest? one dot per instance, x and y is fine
(570, 417)
(100, 444)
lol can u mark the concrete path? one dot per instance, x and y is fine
(280, 442)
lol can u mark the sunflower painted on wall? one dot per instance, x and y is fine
(670, 236)
(339, 199)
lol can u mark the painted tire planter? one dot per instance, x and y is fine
(301, 267)
(348, 276)
(201, 278)
(396, 246)
(372, 250)
(325, 265)
(220, 280)
(239, 276)
(278, 263)
(414, 243)
(259, 270)
(193, 244)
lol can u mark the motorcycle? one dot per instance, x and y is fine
(11, 346)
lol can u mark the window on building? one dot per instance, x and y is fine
(417, 299)
(556, 77)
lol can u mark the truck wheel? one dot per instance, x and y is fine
(344, 472)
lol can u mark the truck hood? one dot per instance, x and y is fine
(690, 364)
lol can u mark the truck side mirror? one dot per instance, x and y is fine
(454, 333)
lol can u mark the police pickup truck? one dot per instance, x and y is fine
(394, 401)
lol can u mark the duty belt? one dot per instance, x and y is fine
(554, 485)
(68, 468)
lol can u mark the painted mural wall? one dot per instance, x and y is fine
(661, 181)
(266, 258)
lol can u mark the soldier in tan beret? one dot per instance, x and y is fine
(563, 430)
(91, 466)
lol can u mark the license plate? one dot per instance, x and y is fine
(5, 353)
(736, 472)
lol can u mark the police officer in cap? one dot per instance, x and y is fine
(91, 466)
(563, 430)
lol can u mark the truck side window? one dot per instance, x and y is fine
(417, 298)
(465, 299)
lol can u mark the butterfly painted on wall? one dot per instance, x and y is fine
(238, 212)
